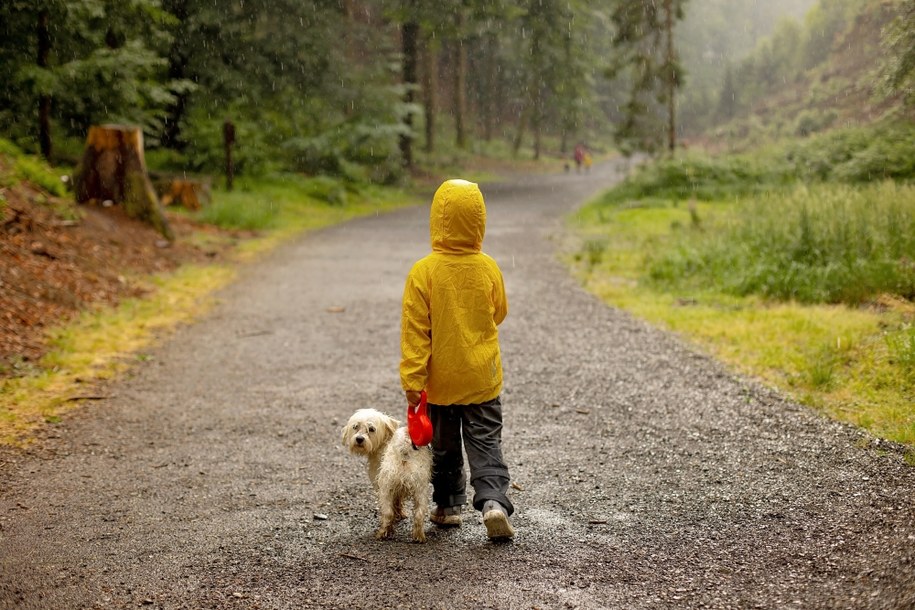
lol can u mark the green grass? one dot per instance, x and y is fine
(97, 346)
(290, 203)
(822, 244)
(731, 274)
(29, 167)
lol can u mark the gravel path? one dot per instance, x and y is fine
(647, 476)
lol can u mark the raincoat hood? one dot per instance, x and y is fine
(457, 220)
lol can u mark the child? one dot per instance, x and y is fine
(453, 300)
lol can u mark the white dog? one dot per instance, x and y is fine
(397, 469)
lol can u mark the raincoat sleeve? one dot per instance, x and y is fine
(415, 334)
(500, 301)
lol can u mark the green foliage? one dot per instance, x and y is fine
(898, 70)
(901, 346)
(30, 168)
(647, 63)
(859, 154)
(824, 244)
(812, 121)
(328, 190)
(786, 54)
(289, 203)
(102, 65)
(825, 22)
(701, 177)
(814, 243)
(205, 151)
(241, 210)
(713, 40)
(852, 155)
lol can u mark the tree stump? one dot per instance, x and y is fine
(190, 194)
(113, 168)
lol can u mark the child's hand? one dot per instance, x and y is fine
(413, 398)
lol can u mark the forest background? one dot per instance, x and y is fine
(756, 115)
(332, 86)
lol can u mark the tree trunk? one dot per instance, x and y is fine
(44, 100)
(430, 86)
(228, 141)
(410, 34)
(490, 94)
(537, 125)
(113, 168)
(671, 77)
(190, 194)
(519, 135)
(460, 83)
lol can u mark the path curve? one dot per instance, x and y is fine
(647, 475)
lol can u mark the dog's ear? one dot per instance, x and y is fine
(346, 434)
(390, 426)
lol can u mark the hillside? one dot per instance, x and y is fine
(57, 258)
(841, 91)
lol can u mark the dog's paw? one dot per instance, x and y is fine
(419, 534)
(384, 533)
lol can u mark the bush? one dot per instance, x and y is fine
(858, 154)
(812, 121)
(701, 177)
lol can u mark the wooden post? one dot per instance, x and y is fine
(113, 168)
(228, 138)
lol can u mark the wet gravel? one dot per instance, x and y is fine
(646, 475)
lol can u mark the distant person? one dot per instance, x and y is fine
(579, 156)
(587, 161)
(453, 302)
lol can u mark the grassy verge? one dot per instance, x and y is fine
(97, 346)
(816, 303)
(102, 343)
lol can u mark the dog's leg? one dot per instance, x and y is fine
(386, 530)
(420, 514)
(399, 512)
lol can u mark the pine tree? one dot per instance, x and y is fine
(647, 60)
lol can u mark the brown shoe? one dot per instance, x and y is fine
(495, 518)
(446, 516)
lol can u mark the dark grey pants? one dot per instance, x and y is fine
(480, 427)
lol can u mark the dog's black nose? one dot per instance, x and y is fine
(359, 440)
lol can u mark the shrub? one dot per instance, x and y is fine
(812, 121)
(858, 154)
(701, 177)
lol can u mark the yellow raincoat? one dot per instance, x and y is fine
(453, 300)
